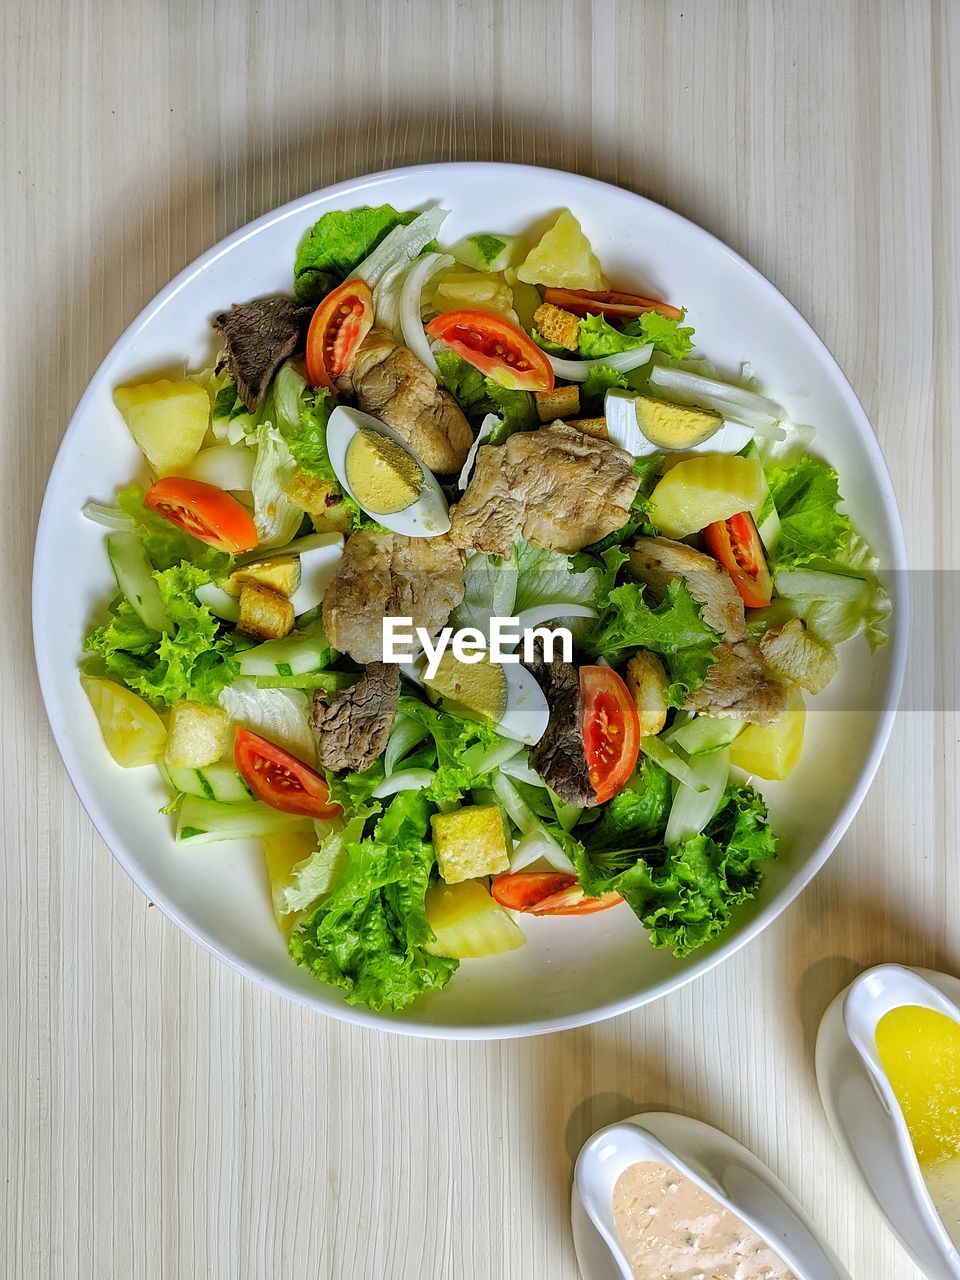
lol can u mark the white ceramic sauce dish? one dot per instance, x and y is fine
(865, 1115)
(571, 971)
(721, 1167)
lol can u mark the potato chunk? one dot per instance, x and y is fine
(647, 682)
(468, 923)
(167, 419)
(698, 491)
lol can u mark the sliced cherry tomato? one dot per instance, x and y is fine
(204, 511)
(280, 779)
(522, 890)
(496, 347)
(611, 304)
(611, 730)
(340, 323)
(573, 902)
(736, 544)
(548, 893)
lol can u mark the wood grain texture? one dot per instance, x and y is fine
(161, 1116)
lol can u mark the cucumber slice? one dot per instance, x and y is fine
(310, 542)
(218, 602)
(298, 653)
(216, 782)
(134, 574)
(488, 252)
(331, 681)
(704, 733)
(205, 821)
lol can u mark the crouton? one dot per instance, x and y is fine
(265, 614)
(197, 735)
(561, 402)
(590, 426)
(322, 501)
(792, 654)
(647, 682)
(557, 325)
(470, 842)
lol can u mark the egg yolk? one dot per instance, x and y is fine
(920, 1052)
(383, 476)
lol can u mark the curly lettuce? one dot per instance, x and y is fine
(195, 660)
(338, 242)
(370, 933)
(806, 496)
(685, 895)
(478, 395)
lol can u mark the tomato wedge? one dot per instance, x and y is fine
(338, 326)
(204, 511)
(548, 893)
(611, 304)
(496, 347)
(280, 779)
(573, 902)
(736, 544)
(611, 730)
(521, 890)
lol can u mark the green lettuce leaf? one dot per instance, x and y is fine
(477, 396)
(673, 628)
(668, 335)
(806, 496)
(598, 338)
(686, 896)
(599, 381)
(318, 874)
(368, 936)
(308, 445)
(452, 738)
(164, 543)
(195, 660)
(338, 242)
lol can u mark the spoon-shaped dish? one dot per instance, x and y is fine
(724, 1169)
(864, 1112)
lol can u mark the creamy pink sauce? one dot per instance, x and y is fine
(671, 1230)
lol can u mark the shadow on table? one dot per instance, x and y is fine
(834, 953)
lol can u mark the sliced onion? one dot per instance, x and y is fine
(406, 780)
(404, 736)
(579, 370)
(519, 769)
(487, 427)
(109, 517)
(228, 466)
(537, 846)
(410, 296)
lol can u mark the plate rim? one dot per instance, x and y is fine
(435, 1029)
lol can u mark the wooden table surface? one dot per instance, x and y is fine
(163, 1117)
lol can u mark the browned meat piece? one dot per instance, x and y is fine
(559, 756)
(557, 487)
(352, 730)
(739, 685)
(387, 575)
(791, 653)
(258, 337)
(659, 560)
(390, 382)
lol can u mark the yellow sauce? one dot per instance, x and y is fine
(920, 1052)
(383, 476)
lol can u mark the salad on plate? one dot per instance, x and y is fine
(463, 585)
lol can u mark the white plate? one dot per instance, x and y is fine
(572, 971)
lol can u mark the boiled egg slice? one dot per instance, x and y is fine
(504, 693)
(384, 476)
